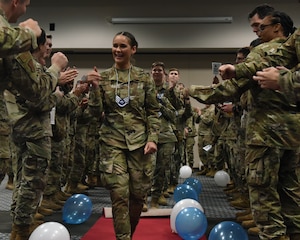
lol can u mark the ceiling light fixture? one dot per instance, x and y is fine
(169, 20)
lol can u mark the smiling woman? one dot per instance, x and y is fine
(128, 135)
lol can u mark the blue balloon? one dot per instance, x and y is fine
(195, 183)
(191, 223)
(77, 209)
(183, 191)
(228, 230)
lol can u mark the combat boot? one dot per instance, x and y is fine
(38, 216)
(245, 212)
(13, 233)
(60, 195)
(34, 225)
(203, 171)
(294, 236)
(211, 173)
(145, 205)
(92, 180)
(166, 194)
(241, 203)
(49, 202)
(72, 188)
(245, 218)
(253, 231)
(82, 187)
(248, 224)
(284, 237)
(20, 232)
(10, 183)
(162, 201)
(171, 189)
(154, 202)
(45, 211)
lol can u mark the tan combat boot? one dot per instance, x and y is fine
(10, 183)
(245, 217)
(50, 202)
(75, 188)
(20, 232)
(211, 173)
(203, 171)
(248, 224)
(171, 189)
(154, 203)
(245, 212)
(166, 194)
(254, 231)
(162, 201)
(241, 203)
(45, 211)
(92, 180)
(62, 196)
(145, 205)
(38, 216)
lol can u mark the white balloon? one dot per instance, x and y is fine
(184, 203)
(222, 178)
(185, 171)
(50, 231)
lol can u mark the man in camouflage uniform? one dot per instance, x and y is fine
(19, 40)
(31, 135)
(272, 138)
(183, 108)
(166, 138)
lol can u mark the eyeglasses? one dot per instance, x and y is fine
(263, 26)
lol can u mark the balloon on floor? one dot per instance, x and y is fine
(50, 231)
(185, 171)
(183, 191)
(195, 183)
(182, 204)
(191, 223)
(228, 230)
(77, 209)
(222, 178)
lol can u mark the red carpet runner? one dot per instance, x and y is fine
(147, 229)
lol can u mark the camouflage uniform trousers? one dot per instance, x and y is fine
(189, 146)
(206, 157)
(5, 156)
(30, 178)
(79, 164)
(55, 168)
(178, 159)
(220, 155)
(274, 190)
(240, 163)
(127, 174)
(162, 168)
(92, 155)
(68, 156)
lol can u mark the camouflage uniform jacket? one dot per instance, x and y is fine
(12, 41)
(31, 120)
(205, 120)
(167, 115)
(131, 126)
(272, 121)
(63, 109)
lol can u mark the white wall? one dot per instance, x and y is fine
(84, 26)
(83, 33)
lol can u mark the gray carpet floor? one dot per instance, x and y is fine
(212, 199)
